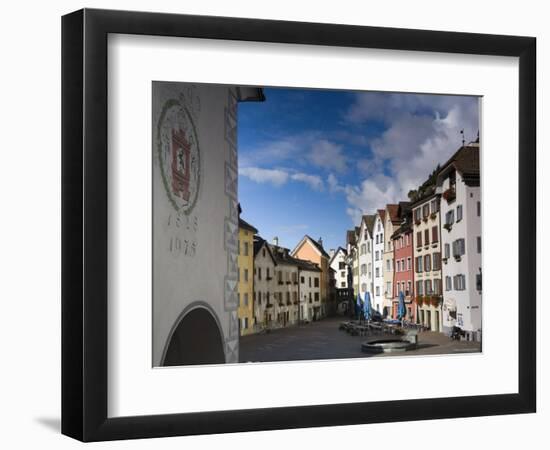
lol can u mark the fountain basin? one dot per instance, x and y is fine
(388, 345)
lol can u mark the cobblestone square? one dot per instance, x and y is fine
(323, 340)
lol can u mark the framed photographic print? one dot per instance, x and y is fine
(273, 224)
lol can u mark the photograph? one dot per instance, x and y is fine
(352, 224)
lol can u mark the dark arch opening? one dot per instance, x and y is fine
(196, 340)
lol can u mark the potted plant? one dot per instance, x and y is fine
(449, 194)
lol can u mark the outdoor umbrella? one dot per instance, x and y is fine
(367, 308)
(358, 306)
(401, 310)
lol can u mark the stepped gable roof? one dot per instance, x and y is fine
(369, 222)
(245, 225)
(466, 161)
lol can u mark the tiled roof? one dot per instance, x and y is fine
(336, 253)
(245, 225)
(350, 237)
(369, 222)
(382, 214)
(403, 228)
(306, 265)
(318, 246)
(259, 243)
(282, 256)
(466, 161)
(393, 211)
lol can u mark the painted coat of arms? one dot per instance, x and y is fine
(179, 155)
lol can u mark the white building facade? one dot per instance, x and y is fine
(310, 291)
(378, 261)
(264, 284)
(339, 265)
(459, 184)
(365, 257)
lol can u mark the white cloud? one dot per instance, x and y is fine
(333, 184)
(327, 155)
(274, 176)
(302, 150)
(313, 181)
(279, 177)
(422, 131)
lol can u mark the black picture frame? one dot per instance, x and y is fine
(84, 224)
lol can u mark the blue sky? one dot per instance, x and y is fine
(313, 161)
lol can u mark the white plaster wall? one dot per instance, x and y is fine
(305, 290)
(378, 301)
(389, 229)
(289, 271)
(340, 257)
(263, 286)
(366, 258)
(468, 301)
(181, 279)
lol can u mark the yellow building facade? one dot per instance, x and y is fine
(245, 261)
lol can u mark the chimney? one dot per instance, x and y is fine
(320, 241)
(331, 252)
(275, 241)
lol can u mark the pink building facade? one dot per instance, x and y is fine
(403, 275)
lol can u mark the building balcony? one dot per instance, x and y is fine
(450, 194)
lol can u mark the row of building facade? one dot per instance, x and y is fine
(278, 287)
(429, 248)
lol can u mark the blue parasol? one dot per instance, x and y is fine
(367, 308)
(401, 310)
(358, 306)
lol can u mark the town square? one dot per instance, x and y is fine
(351, 224)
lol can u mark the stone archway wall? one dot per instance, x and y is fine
(196, 338)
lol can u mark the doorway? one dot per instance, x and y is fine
(196, 340)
